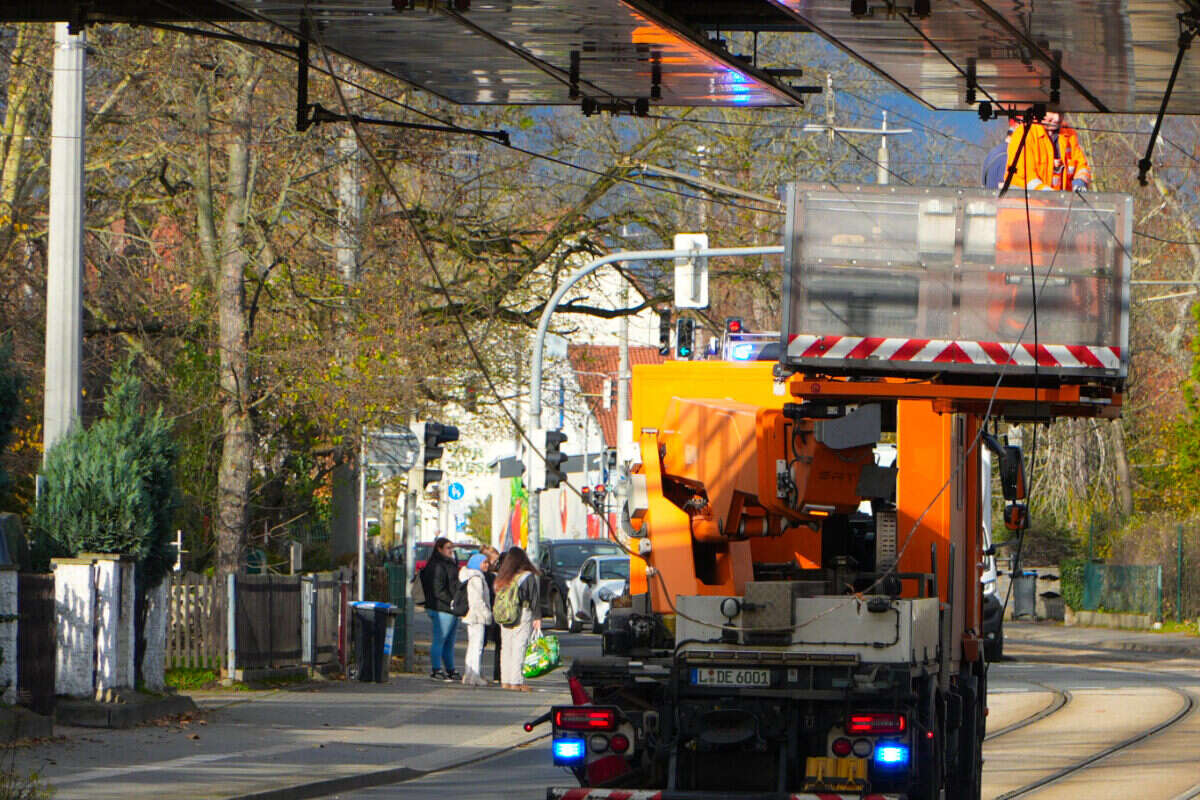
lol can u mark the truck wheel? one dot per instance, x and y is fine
(970, 758)
(928, 785)
(559, 610)
(573, 625)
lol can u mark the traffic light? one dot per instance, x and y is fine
(664, 333)
(431, 435)
(599, 494)
(733, 325)
(685, 333)
(555, 459)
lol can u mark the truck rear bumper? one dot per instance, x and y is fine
(585, 793)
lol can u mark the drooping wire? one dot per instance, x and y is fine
(711, 197)
(524, 435)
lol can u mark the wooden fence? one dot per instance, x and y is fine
(270, 620)
(196, 632)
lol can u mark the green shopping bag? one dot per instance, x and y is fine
(541, 656)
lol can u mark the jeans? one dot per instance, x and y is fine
(441, 651)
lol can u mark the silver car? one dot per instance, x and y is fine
(590, 593)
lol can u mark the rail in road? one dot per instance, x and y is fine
(1151, 730)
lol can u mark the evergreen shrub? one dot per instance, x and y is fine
(111, 488)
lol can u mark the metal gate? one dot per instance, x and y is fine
(35, 642)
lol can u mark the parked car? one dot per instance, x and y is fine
(462, 552)
(559, 562)
(590, 593)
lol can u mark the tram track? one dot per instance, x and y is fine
(1060, 701)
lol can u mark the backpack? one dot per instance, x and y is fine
(416, 589)
(461, 603)
(506, 610)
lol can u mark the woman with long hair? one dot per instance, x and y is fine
(439, 578)
(516, 569)
(493, 630)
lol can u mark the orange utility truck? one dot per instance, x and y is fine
(781, 641)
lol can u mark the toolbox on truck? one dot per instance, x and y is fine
(914, 280)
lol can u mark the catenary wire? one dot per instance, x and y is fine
(426, 252)
(328, 71)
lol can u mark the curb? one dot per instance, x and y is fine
(1166, 648)
(367, 780)
(93, 714)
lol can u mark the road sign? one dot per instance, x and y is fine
(691, 274)
(455, 491)
(394, 450)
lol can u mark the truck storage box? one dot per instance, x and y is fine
(904, 280)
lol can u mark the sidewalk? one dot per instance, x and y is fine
(1058, 635)
(309, 741)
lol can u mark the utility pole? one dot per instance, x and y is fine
(881, 170)
(623, 373)
(64, 278)
(349, 517)
(830, 107)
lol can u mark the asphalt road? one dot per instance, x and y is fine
(1064, 723)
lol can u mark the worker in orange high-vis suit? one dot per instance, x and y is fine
(1047, 157)
(1050, 158)
(1074, 173)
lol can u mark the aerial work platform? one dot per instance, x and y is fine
(911, 281)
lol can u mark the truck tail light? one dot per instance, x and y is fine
(585, 718)
(875, 723)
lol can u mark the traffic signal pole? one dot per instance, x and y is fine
(532, 455)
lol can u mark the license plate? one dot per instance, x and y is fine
(730, 676)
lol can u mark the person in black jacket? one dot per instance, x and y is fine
(439, 578)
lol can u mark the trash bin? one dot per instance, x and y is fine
(372, 639)
(1025, 595)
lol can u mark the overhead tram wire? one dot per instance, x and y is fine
(328, 72)
(913, 120)
(457, 315)
(1151, 236)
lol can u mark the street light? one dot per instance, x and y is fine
(534, 458)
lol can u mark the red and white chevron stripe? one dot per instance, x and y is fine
(948, 351)
(656, 794)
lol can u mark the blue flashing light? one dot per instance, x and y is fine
(569, 751)
(890, 754)
(742, 352)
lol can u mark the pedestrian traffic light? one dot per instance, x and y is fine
(431, 436)
(685, 333)
(555, 459)
(664, 333)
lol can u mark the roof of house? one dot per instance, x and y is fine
(592, 364)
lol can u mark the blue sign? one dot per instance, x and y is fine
(455, 491)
